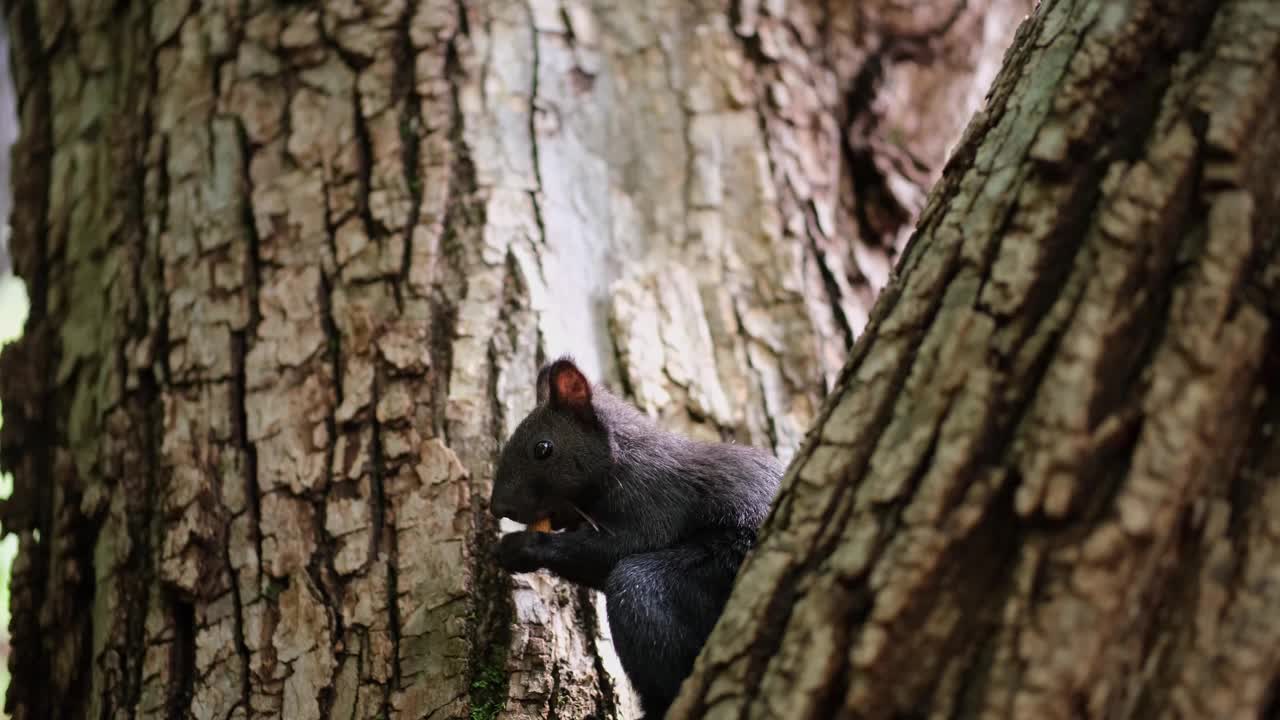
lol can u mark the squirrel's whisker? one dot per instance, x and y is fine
(588, 519)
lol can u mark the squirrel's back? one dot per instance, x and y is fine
(690, 482)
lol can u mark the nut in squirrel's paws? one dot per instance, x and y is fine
(542, 526)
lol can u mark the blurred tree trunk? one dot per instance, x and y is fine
(293, 269)
(1047, 485)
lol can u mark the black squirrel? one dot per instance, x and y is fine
(659, 522)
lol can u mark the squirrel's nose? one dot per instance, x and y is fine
(500, 507)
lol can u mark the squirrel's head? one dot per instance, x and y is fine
(558, 457)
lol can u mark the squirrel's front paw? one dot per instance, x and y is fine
(516, 551)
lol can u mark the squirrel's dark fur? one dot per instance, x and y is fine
(657, 521)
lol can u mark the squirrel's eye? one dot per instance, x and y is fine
(542, 450)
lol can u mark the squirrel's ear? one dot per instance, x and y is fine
(543, 387)
(569, 388)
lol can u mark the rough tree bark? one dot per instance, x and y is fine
(292, 269)
(1047, 485)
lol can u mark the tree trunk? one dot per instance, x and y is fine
(1047, 484)
(292, 271)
